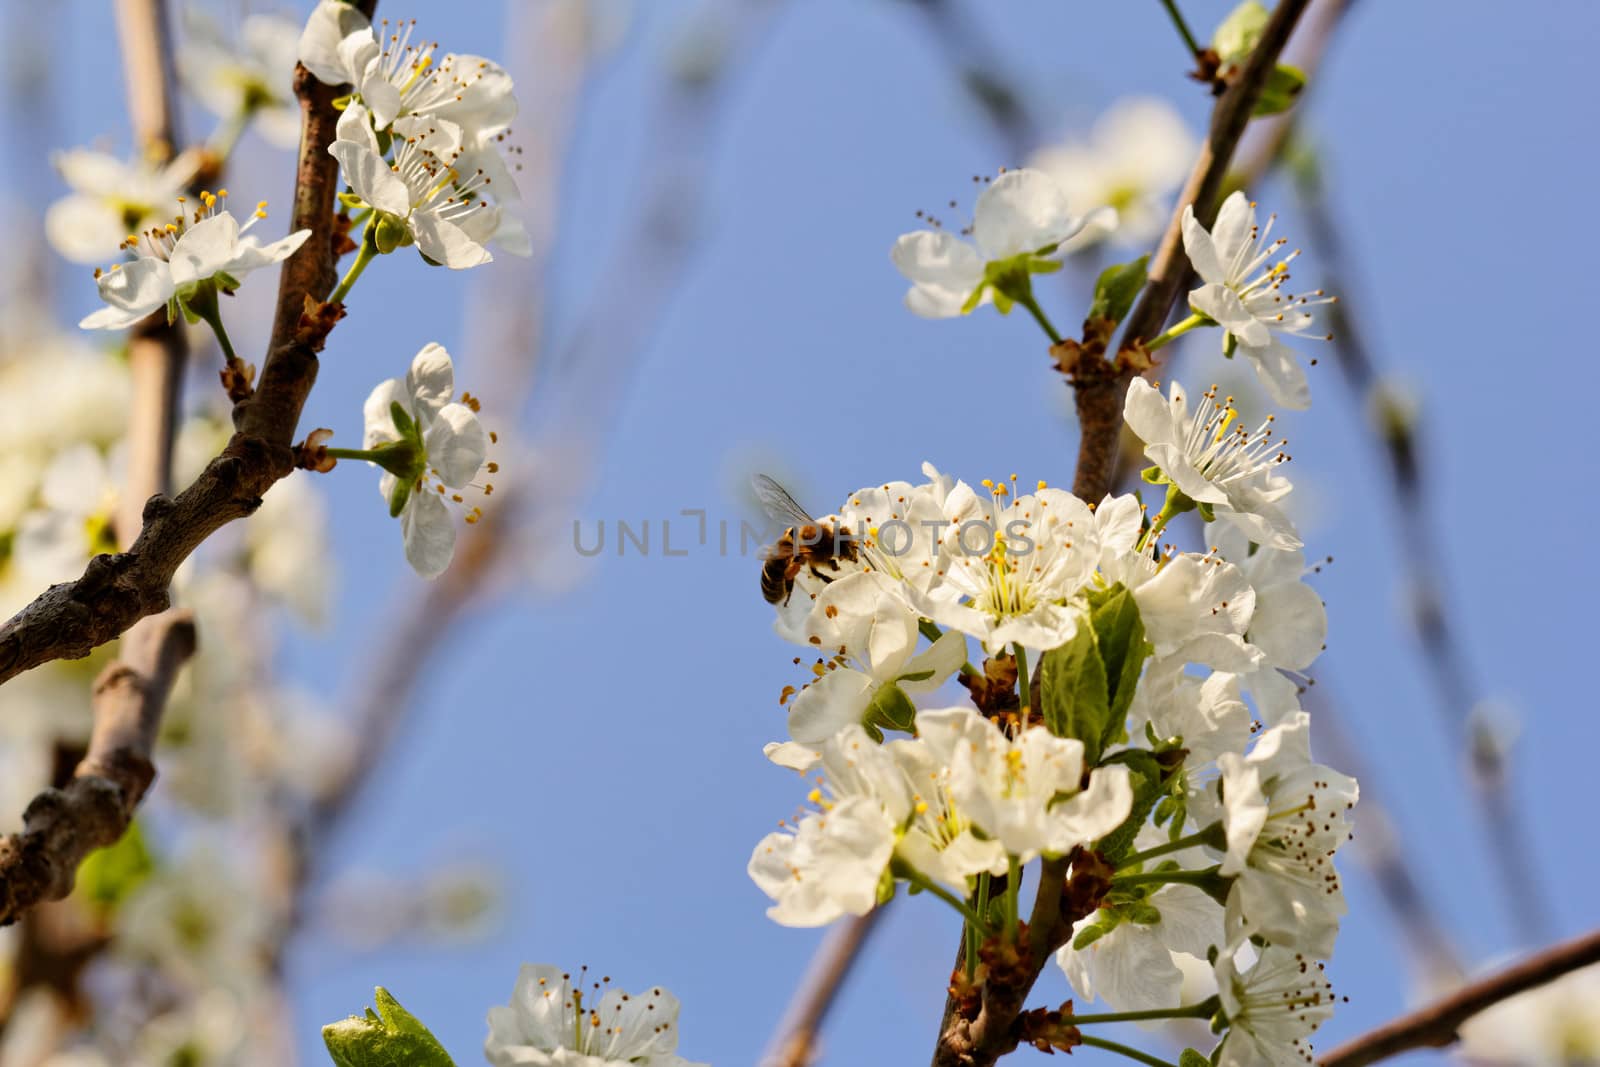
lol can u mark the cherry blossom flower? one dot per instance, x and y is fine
(250, 79)
(1018, 227)
(1243, 294)
(110, 199)
(429, 447)
(1272, 1007)
(558, 1019)
(183, 265)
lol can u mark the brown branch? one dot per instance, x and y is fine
(1099, 389)
(70, 620)
(795, 1043)
(62, 826)
(1435, 1025)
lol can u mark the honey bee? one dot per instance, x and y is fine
(807, 543)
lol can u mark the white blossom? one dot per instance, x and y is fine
(1008, 565)
(253, 75)
(1284, 817)
(1023, 213)
(172, 262)
(557, 1019)
(449, 219)
(1136, 156)
(1025, 792)
(110, 199)
(1133, 967)
(1272, 1008)
(441, 447)
(1212, 460)
(1243, 294)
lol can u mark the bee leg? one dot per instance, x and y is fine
(823, 578)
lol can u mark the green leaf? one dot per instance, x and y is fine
(1073, 684)
(1154, 476)
(110, 874)
(1143, 914)
(1092, 933)
(1145, 778)
(1190, 1058)
(1280, 91)
(890, 707)
(1236, 36)
(389, 1037)
(1119, 634)
(1116, 288)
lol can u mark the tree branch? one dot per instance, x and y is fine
(795, 1042)
(70, 620)
(1435, 1025)
(62, 826)
(1099, 387)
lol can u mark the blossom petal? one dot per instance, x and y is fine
(204, 249)
(431, 380)
(375, 413)
(1021, 211)
(84, 229)
(446, 243)
(429, 533)
(1234, 231)
(456, 444)
(330, 23)
(369, 175)
(1280, 372)
(1201, 250)
(1224, 305)
(133, 291)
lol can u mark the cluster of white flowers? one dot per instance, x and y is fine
(1137, 710)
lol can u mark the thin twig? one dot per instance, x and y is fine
(68, 621)
(1395, 434)
(62, 826)
(1099, 386)
(795, 1041)
(1436, 1025)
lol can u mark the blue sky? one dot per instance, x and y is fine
(602, 745)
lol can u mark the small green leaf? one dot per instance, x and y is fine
(398, 498)
(1154, 476)
(891, 708)
(402, 419)
(1236, 36)
(385, 1038)
(1116, 288)
(1073, 683)
(1119, 634)
(1143, 914)
(1280, 91)
(109, 875)
(1190, 1058)
(1090, 934)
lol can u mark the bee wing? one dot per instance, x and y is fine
(778, 503)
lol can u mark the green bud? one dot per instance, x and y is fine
(390, 233)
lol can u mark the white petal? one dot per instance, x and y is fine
(1021, 211)
(431, 381)
(330, 23)
(429, 533)
(456, 444)
(250, 256)
(1233, 231)
(446, 243)
(133, 291)
(832, 702)
(204, 249)
(1280, 372)
(376, 415)
(369, 175)
(1202, 251)
(84, 229)
(1224, 305)
(1290, 625)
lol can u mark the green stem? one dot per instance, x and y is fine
(367, 253)
(982, 897)
(1013, 890)
(226, 137)
(948, 897)
(1203, 1010)
(1024, 683)
(1211, 835)
(1182, 27)
(1178, 330)
(212, 316)
(1039, 316)
(353, 453)
(1203, 879)
(1124, 1050)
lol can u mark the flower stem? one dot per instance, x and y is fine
(1203, 1010)
(1202, 879)
(1183, 27)
(352, 453)
(211, 314)
(1211, 835)
(1178, 330)
(982, 898)
(1124, 1050)
(929, 886)
(228, 132)
(1013, 891)
(1174, 505)
(1024, 683)
(367, 253)
(1039, 316)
